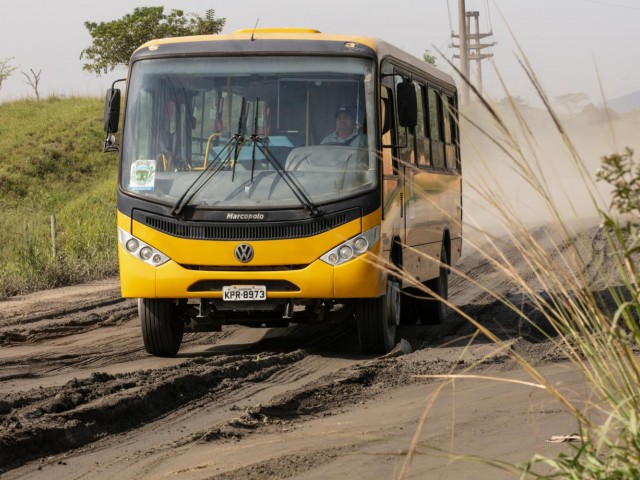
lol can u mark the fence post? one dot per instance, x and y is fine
(54, 245)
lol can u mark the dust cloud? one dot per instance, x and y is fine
(499, 192)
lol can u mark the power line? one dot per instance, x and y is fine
(449, 14)
(486, 7)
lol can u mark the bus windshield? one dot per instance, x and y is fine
(249, 132)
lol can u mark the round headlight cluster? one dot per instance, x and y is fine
(140, 249)
(352, 248)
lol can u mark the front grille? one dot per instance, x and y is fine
(216, 285)
(238, 268)
(196, 230)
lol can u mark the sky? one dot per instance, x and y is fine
(574, 46)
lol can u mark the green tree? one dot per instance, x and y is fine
(5, 70)
(429, 57)
(115, 41)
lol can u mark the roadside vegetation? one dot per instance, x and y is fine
(565, 297)
(52, 165)
(57, 188)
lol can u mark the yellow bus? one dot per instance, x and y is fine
(244, 198)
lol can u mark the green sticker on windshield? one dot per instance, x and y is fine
(143, 175)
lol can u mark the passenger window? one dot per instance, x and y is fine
(435, 128)
(422, 141)
(447, 125)
(405, 134)
(434, 116)
(450, 135)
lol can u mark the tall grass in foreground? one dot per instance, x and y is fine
(596, 328)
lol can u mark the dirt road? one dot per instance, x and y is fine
(80, 398)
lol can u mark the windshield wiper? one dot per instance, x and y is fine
(297, 189)
(192, 190)
(235, 143)
(240, 137)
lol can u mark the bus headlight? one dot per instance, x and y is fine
(345, 252)
(141, 250)
(132, 245)
(361, 245)
(352, 248)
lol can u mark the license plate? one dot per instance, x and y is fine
(243, 293)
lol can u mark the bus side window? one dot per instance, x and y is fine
(450, 134)
(422, 140)
(435, 128)
(406, 142)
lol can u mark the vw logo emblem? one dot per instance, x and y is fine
(244, 252)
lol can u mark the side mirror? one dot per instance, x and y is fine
(110, 144)
(386, 115)
(407, 104)
(112, 110)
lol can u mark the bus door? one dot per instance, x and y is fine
(392, 181)
(406, 152)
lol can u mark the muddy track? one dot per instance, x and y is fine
(82, 399)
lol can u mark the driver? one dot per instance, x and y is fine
(346, 131)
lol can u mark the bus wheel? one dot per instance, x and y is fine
(377, 320)
(161, 330)
(432, 311)
(408, 313)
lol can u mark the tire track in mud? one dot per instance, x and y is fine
(338, 391)
(62, 344)
(58, 302)
(286, 466)
(61, 322)
(55, 419)
(48, 420)
(52, 420)
(47, 317)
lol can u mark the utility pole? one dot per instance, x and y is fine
(470, 48)
(475, 47)
(464, 57)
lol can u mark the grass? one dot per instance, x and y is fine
(596, 328)
(51, 165)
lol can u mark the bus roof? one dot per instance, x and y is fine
(265, 40)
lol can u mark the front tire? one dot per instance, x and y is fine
(161, 330)
(377, 320)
